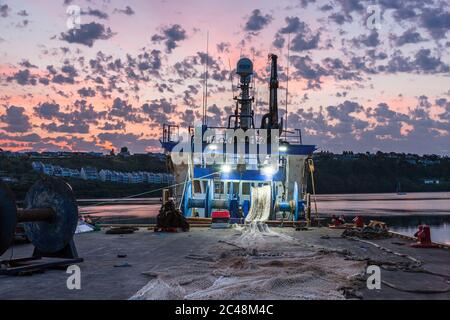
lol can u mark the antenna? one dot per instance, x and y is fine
(231, 77)
(287, 85)
(206, 76)
(255, 107)
(254, 88)
(203, 96)
(205, 82)
(254, 83)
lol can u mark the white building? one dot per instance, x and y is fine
(38, 166)
(74, 173)
(124, 177)
(105, 175)
(48, 169)
(66, 172)
(114, 176)
(89, 173)
(136, 177)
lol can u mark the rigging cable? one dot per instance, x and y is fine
(148, 192)
(206, 79)
(287, 86)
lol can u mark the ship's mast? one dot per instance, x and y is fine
(270, 119)
(245, 71)
(273, 101)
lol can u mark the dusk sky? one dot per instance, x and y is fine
(133, 65)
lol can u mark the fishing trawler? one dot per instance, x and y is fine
(221, 167)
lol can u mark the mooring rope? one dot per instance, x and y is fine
(147, 192)
(418, 264)
(424, 291)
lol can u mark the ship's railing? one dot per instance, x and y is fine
(292, 137)
(171, 133)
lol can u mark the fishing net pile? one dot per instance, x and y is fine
(367, 232)
(255, 265)
(261, 202)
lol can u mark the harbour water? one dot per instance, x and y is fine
(402, 213)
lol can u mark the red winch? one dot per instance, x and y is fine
(424, 237)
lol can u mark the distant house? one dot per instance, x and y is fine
(151, 177)
(66, 172)
(144, 176)
(38, 166)
(125, 177)
(114, 176)
(89, 173)
(164, 178)
(74, 173)
(105, 175)
(136, 177)
(431, 181)
(48, 169)
(57, 171)
(148, 177)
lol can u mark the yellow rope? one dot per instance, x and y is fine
(311, 169)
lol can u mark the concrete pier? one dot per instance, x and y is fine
(204, 263)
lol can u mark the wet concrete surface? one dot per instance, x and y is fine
(149, 251)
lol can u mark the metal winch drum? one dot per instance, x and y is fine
(50, 216)
(295, 206)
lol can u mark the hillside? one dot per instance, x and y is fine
(334, 173)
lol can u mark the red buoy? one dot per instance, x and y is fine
(423, 236)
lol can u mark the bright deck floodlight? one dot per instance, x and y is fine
(268, 171)
(226, 168)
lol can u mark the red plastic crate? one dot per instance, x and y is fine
(222, 214)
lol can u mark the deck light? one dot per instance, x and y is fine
(226, 168)
(268, 171)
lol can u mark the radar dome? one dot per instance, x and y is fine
(244, 67)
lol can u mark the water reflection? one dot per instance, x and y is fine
(402, 213)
